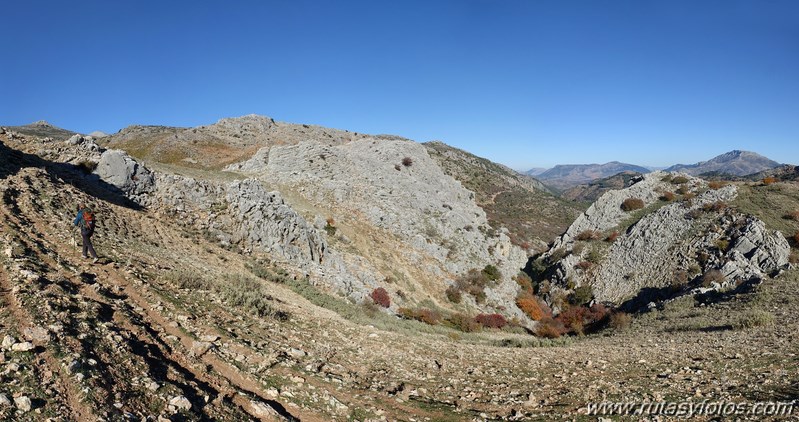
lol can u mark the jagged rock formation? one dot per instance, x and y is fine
(565, 176)
(669, 245)
(393, 186)
(736, 163)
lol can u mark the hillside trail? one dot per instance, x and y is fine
(47, 243)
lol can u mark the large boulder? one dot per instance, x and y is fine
(117, 168)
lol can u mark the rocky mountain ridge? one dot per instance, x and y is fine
(646, 242)
(735, 163)
(354, 210)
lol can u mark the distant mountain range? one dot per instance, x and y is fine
(562, 177)
(736, 163)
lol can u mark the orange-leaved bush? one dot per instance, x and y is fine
(532, 306)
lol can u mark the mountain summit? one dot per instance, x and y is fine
(736, 162)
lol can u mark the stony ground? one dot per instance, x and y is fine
(170, 327)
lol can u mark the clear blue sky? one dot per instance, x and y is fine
(522, 82)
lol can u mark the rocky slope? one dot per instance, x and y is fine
(674, 244)
(736, 163)
(565, 176)
(533, 215)
(334, 210)
(174, 325)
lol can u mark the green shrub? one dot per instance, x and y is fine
(582, 294)
(679, 180)
(491, 273)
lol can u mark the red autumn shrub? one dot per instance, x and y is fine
(491, 320)
(667, 196)
(380, 297)
(612, 237)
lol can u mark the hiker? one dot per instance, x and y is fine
(85, 220)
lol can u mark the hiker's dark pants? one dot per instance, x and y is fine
(87, 242)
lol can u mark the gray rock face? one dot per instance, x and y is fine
(686, 237)
(265, 220)
(119, 169)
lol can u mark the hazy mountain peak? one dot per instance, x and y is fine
(735, 162)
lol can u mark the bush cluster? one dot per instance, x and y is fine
(474, 283)
(679, 180)
(769, 180)
(428, 316)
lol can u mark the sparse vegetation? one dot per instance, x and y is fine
(715, 206)
(667, 196)
(715, 185)
(754, 318)
(612, 236)
(407, 161)
(428, 316)
(632, 204)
